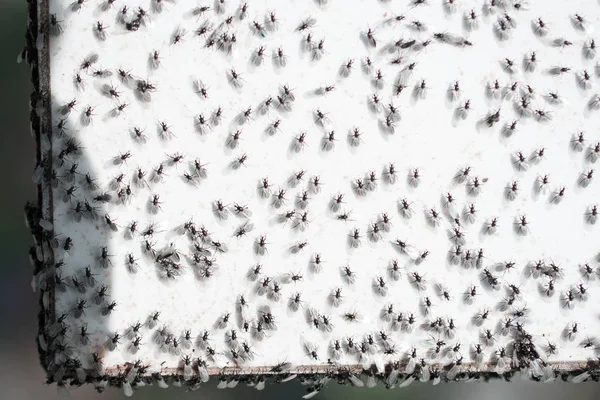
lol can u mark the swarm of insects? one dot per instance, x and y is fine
(250, 193)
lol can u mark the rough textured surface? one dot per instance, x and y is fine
(151, 201)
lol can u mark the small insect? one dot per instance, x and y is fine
(245, 116)
(178, 36)
(568, 299)
(110, 223)
(154, 204)
(299, 142)
(420, 90)
(278, 198)
(492, 118)
(275, 292)
(561, 42)
(280, 57)
(113, 341)
(243, 211)
(540, 27)
(298, 247)
(537, 155)
(572, 330)
(154, 60)
(418, 26)
(582, 292)
(302, 200)
(79, 82)
(493, 89)
(118, 110)
(454, 91)
(378, 81)
(530, 62)
(311, 351)
(512, 190)
(107, 309)
(352, 316)
(318, 49)
(258, 56)
(520, 161)
(584, 80)
(239, 162)
(89, 61)
(220, 6)
(295, 302)
(509, 66)
(510, 128)
(375, 103)
(522, 225)
(593, 152)
(306, 24)
(588, 272)
(368, 66)
(414, 177)
(509, 91)
(346, 68)
(585, 178)
(302, 221)
(272, 21)
(260, 245)
(450, 6)
(591, 215)
(254, 272)
(288, 94)
(354, 238)
(56, 28)
(354, 137)
(100, 31)
(348, 274)
(87, 116)
(220, 210)
(471, 20)
(265, 106)
(464, 109)
(502, 28)
(470, 213)
(589, 49)
(259, 29)
(529, 92)
(235, 79)
(325, 90)
(223, 321)
(542, 183)
(581, 23)
(131, 263)
(594, 103)
(144, 90)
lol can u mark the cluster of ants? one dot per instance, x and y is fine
(506, 344)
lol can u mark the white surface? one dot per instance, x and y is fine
(427, 138)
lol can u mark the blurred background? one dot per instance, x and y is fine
(21, 376)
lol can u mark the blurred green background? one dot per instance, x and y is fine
(21, 376)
